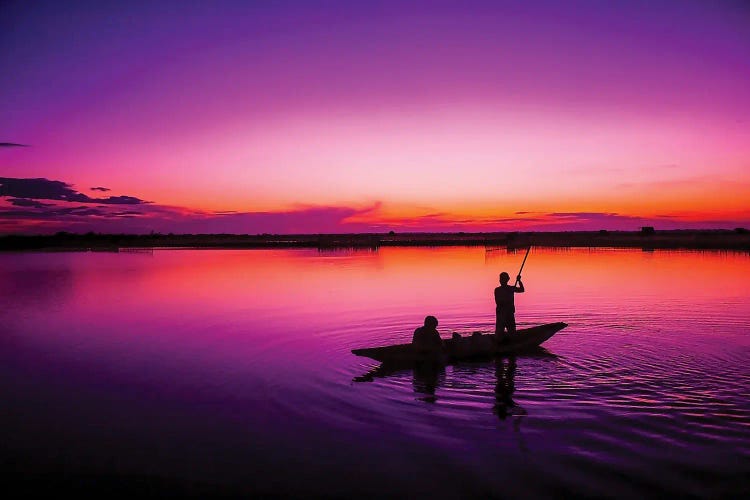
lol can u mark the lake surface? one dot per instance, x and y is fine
(224, 370)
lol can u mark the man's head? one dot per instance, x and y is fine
(431, 322)
(504, 278)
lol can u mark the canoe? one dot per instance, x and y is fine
(477, 345)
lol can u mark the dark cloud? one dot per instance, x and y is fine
(52, 213)
(45, 189)
(103, 189)
(13, 145)
(25, 202)
(63, 215)
(125, 213)
(120, 200)
(514, 220)
(68, 209)
(107, 216)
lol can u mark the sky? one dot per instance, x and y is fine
(307, 117)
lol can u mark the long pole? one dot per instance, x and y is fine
(523, 263)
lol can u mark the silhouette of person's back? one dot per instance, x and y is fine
(505, 309)
(427, 337)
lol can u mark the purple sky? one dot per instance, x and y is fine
(413, 115)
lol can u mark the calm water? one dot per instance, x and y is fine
(233, 369)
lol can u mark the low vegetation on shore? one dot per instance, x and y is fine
(646, 238)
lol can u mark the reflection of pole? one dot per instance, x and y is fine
(524, 262)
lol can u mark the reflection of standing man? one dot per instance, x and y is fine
(505, 387)
(505, 309)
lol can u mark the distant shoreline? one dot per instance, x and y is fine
(708, 239)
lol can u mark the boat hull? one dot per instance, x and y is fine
(459, 348)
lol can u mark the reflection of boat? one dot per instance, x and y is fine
(459, 348)
(427, 377)
(390, 368)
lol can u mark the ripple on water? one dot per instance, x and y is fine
(646, 391)
(664, 398)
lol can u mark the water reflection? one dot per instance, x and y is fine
(35, 290)
(505, 374)
(427, 377)
(505, 406)
(205, 364)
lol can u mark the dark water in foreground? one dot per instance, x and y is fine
(230, 371)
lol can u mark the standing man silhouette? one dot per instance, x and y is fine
(505, 309)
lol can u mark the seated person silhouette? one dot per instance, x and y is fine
(505, 318)
(427, 338)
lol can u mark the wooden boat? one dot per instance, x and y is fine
(458, 348)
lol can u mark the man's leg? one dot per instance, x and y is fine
(511, 323)
(502, 325)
